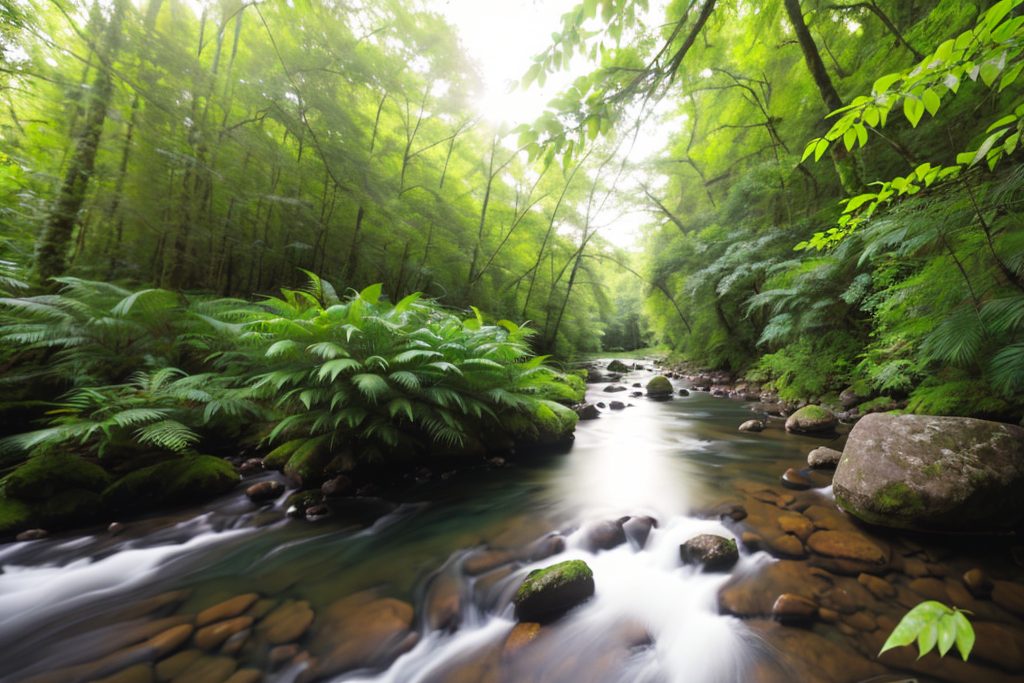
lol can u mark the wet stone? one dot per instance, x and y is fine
(824, 458)
(999, 644)
(878, 587)
(521, 636)
(170, 640)
(116, 528)
(638, 529)
(786, 547)
(233, 644)
(930, 588)
(794, 609)
(175, 664)
(1009, 596)
(848, 552)
(264, 491)
(605, 535)
(281, 654)
(617, 405)
(287, 623)
(752, 426)
(246, 676)
(822, 518)
(140, 673)
(862, 621)
(792, 479)
(486, 560)
(978, 583)
(796, 524)
(207, 670)
(211, 636)
(32, 535)
(548, 593)
(227, 609)
(714, 553)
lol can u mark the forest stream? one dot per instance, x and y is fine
(421, 591)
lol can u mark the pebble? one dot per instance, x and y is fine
(116, 528)
(848, 552)
(264, 491)
(175, 664)
(978, 583)
(521, 636)
(207, 670)
(32, 535)
(140, 673)
(287, 623)
(227, 609)
(210, 637)
(796, 524)
(1009, 596)
(880, 588)
(794, 609)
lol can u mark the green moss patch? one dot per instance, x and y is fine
(193, 477)
(553, 577)
(659, 386)
(15, 515)
(44, 475)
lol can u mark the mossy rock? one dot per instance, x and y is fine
(577, 384)
(73, 507)
(659, 387)
(44, 475)
(811, 419)
(15, 515)
(554, 424)
(618, 366)
(312, 465)
(714, 553)
(184, 479)
(548, 593)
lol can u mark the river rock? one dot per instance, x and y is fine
(140, 673)
(588, 411)
(659, 387)
(207, 670)
(848, 552)
(824, 458)
(794, 609)
(548, 593)
(855, 394)
(175, 664)
(618, 366)
(978, 583)
(359, 631)
(638, 529)
(617, 405)
(715, 553)
(933, 473)
(227, 609)
(752, 426)
(264, 491)
(684, 392)
(594, 376)
(1009, 596)
(521, 636)
(287, 623)
(211, 636)
(605, 535)
(878, 587)
(246, 676)
(32, 535)
(793, 479)
(337, 487)
(613, 388)
(811, 419)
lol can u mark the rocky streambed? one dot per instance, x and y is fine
(432, 590)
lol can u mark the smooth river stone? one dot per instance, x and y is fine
(848, 552)
(978, 583)
(140, 673)
(1009, 596)
(175, 664)
(878, 587)
(227, 609)
(521, 636)
(796, 524)
(287, 623)
(207, 669)
(210, 637)
(794, 609)
(246, 676)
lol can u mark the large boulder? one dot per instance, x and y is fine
(811, 420)
(933, 473)
(715, 553)
(659, 387)
(548, 593)
(618, 366)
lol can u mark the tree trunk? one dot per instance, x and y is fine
(51, 250)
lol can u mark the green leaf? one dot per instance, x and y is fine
(338, 366)
(373, 387)
(913, 109)
(947, 633)
(809, 149)
(927, 638)
(915, 621)
(371, 294)
(850, 138)
(400, 405)
(931, 101)
(1001, 122)
(883, 83)
(964, 635)
(820, 148)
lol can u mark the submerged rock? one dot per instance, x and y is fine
(613, 388)
(605, 535)
(618, 366)
(811, 420)
(617, 405)
(933, 473)
(264, 491)
(752, 426)
(715, 553)
(548, 593)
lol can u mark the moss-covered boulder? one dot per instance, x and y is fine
(15, 515)
(548, 593)
(855, 394)
(714, 553)
(618, 366)
(812, 420)
(933, 473)
(659, 387)
(184, 479)
(43, 475)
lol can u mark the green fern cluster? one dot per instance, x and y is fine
(369, 377)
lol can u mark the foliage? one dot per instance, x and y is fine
(931, 623)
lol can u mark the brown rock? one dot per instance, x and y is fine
(207, 669)
(32, 535)
(227, 609)
(841, 600)
(787, 547)
(862, 621)
(822, 518)
(751, 595)
(794, 609)
(281, 654)
(140, 673)
(486, 560)
(792, 479)
(1009, 596)
(880, 588)
(930, 588)
(915, 568)
(211, 636)
(359, 631)
(443, 603)
(999, 644)
(978, 583)
(797, 655)
(521, 636)
(175, 664)
(170, 640)
(751, 541)
(828, 615)
(848, 552)
(287, 623)
(264, 491)
(233, 644)
(796, 524)
(246, 676)
(262, 608)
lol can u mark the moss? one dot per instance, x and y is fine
(618, 366)
(813, 413)
(557, 575)
(659, 386)
(933, 470)
(311, 464)
(278, 458)
(897, 498)
(74, 506)
(877, 405)
(188, 478)
(861, 387)
(44, 475)
(15, 515)
(577, 385)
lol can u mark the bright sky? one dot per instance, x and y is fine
(502, 36)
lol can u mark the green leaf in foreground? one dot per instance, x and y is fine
(932, 623)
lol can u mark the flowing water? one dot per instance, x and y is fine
(77, 607)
